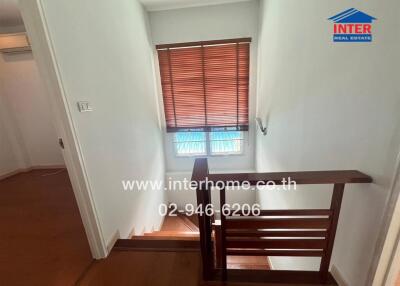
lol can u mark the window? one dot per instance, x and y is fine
(205, 88)
(197, 143)
(190, 143)
(226, 142)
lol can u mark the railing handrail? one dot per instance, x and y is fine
(246, 233)
(300, 177)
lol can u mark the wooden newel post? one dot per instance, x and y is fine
(336, 203)
(203, 194)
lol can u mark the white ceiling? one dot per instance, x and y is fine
(9, 13)
(155, 5)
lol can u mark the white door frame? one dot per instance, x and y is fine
(389, 263)
(386, 262)
(36, 26)
(394, 272)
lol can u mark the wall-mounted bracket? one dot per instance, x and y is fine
(260, 124)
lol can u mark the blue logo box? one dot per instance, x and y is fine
(352, 38)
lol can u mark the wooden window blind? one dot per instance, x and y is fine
(205, 85)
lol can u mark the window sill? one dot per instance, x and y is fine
(209, 156)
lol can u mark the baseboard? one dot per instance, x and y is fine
(44, 167)
(24, 170)
(338, 276)
(134, 233)
(113, 240)
(10, 174)
(158, 228)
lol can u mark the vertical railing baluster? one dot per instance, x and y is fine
(336, 203)
(214, 250)
(222, 199)
(217, 245)
(203, 194)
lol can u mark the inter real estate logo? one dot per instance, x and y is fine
(352, 25)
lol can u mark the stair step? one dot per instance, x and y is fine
(168, 235)
(178, 227)
(190, 221)
(156, 245)
(172, 233)
(275, 277)
(186, 238)
(179, 222)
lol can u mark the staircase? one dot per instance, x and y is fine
(185, 228)
(234, 249)
(284, 232)
(178, 227)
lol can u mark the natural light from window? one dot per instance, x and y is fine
(208, 143)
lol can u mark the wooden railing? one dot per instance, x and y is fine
(302, 232)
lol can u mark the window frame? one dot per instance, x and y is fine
(174, 143)
(207, 142)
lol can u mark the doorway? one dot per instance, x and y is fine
(43, 241)
(388, 269)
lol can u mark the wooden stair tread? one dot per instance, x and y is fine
(277, 276)
(150, 236)
(178, 227)
(176, 245)
(179, 222)
(247, 262)
(172, 233)
(191, 222)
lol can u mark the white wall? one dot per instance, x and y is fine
(103, 54)
(27, 105)
(9, 161)
(214, 22)
(331, 106)
(28, 137)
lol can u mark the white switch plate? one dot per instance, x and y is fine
(84, 106)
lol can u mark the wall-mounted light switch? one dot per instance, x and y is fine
(84, 106)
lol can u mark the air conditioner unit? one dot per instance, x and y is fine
(14, 43)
